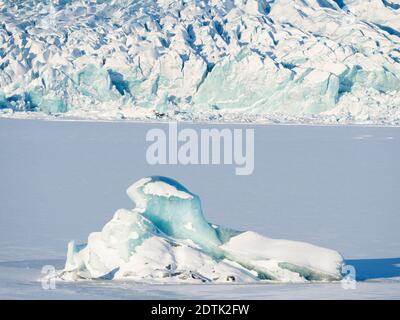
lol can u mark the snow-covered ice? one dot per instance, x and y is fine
(333, 186)
(234, 60)
(152, 242)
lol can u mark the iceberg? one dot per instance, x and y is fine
(166, 238)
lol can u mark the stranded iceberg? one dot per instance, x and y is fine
(166, 238)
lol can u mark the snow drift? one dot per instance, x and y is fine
(166, 238)
(229, 60)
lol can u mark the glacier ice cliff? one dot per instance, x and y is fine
(203, 59)
(166, 238)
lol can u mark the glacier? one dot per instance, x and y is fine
(166, 238)
(232, 60)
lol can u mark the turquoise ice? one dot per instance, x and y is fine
(167, 238)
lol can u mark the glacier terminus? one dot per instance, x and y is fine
(321, 61)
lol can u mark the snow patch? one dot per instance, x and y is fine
(163, 189)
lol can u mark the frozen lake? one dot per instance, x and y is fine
(333, 186)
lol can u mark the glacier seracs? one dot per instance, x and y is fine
(166, 238)
(332, 61)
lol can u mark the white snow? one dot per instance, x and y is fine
(160, 188)
(235, 60)
(253, 247)
(189, 226)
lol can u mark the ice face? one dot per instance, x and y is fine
(201, 58)
(174, 210)
(110, 248)
(167, 238)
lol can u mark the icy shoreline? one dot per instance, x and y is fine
(231, 119)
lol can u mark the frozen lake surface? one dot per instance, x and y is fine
(333, 186)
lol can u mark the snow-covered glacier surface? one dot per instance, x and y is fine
(166, 238)
(232, 60)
